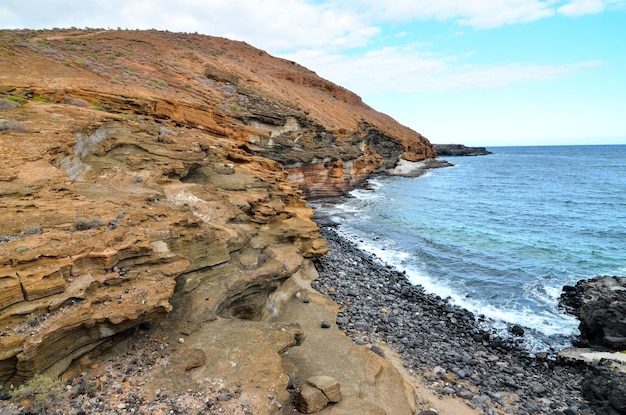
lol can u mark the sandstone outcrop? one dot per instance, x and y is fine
(153, 177)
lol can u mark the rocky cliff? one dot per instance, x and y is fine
(160, 178)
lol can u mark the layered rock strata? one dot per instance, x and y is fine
(159, 178)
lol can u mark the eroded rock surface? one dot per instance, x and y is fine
(159, 178)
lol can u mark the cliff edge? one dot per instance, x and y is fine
(158, 180)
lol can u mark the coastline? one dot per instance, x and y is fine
(440, 343)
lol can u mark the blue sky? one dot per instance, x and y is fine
(480, 72)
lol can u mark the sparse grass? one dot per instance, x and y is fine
(41, 98)
(14, 126)
(157, 84)
(235, 107)
(18, 100)
(32, 230)
(82, 223)
(21, 248)
(41, 390)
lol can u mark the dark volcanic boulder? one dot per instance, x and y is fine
(605, 389)
(600, 305)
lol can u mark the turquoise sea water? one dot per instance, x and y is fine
(500, 234)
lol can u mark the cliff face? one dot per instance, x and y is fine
(150, 175)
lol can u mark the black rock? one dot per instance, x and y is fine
(325, 324)
(600, 305)
(456, 150)
(516, 330)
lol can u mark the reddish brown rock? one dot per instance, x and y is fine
(328, 385)
(310, 399)
(160, 177)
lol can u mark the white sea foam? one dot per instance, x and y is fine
(544, 328)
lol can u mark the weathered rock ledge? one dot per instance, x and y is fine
(157, 180)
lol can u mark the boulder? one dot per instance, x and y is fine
(600, 305)
(329, 386)
(605, 389)
(310, 399)
(318, 392)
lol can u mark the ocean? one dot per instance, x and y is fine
(500, 235)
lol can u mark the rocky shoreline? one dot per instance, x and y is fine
(441, 346)
(442, 343)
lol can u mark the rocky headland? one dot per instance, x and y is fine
(157, 254)
(457, 150)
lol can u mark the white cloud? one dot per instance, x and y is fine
(577, 8)
(407, 70)
(482, 14)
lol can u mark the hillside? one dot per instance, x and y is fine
(158, 180)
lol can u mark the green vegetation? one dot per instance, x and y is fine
(157, 84)
(97, 105)
(82, 223)
(18, 100)
(41, 390)
(41, 98)
(21, 248)
(32, 230)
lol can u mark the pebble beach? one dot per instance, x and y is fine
(444, 345)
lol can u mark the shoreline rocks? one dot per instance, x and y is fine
(441, 342)
(456, 150)
(600, 305)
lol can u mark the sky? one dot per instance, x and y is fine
(476, 72)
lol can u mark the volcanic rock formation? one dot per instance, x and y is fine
(152, 177)
(456, 150)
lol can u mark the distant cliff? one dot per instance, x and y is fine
(454, 150)
(154, 177)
